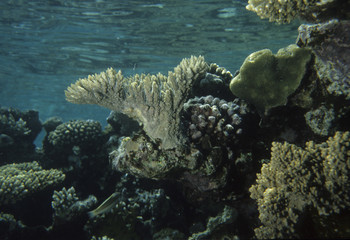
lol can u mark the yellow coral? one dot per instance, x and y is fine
(312, 181)
(20, 180)
(284, 11)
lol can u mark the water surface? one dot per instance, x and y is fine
(47, 45)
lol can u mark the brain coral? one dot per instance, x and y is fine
(305, 192)
(20, 180)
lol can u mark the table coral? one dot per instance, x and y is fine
(20, 180)
(155, 101)
(305, 187)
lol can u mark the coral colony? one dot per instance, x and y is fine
(263, 153)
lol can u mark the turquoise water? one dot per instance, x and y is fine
(47, 45)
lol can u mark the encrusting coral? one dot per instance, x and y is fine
(303, 192)
(20, 180)
(266, 80)
(155, 101)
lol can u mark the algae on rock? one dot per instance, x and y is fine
(266, 80)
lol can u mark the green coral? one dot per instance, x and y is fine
(302, 192)
(18, 181)
(284, 11)
(75, 133)
(266, 80)
(155, 101)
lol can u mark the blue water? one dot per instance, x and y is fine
(47, 45)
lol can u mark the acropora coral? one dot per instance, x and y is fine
(304, 192)
(155, 101)
(284, 11)
(20, 180)
(75, 133)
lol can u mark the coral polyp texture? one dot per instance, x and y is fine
(67, 206)
(304, 192)
(20, 180)
(75, 133)
(216, 122)
(284, 11)
(155, 101)
(266, 80)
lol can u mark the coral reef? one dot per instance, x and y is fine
(75, 133)
(140, 156)
(284, 11)
(136, 213)
(216, 225)
(18, 130)
(155, 101)
(101, 238)
(301, 192)
(121, 124)
(67, 206)
(215, 82)
(51, 123)
(320, 120)
(218, 132)
(330, 43)
(9, 223)
(18, 181)
(221, 131)
(191, 149)
(218, 121)
(266, 80)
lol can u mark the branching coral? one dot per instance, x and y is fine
(305, 186)
(155, 101)
(284, 11)
(67, 206)
(20, 180)
(77, 132)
